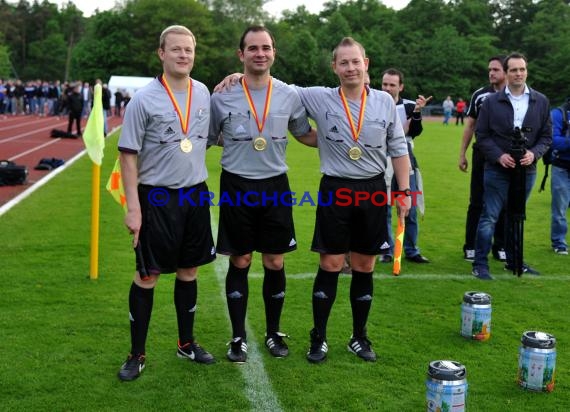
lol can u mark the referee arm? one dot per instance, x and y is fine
(465, 141)
(309, 139)
(129, 172)
(402, 167)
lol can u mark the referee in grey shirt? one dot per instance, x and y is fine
(251, 122)
(162, 151)
(357, 129)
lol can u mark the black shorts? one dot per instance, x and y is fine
(255, 215)
(344, 224)
(175, 231)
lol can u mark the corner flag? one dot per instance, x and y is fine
(94, 135)
(115, 185)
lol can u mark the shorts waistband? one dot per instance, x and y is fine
(348, 180)
(149, 187)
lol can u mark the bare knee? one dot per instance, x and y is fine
(272, 262)
(241, 261)
(148, 282)
(187, 274)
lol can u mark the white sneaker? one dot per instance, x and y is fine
(560, 251)
(469, 255)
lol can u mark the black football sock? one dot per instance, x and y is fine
(361, 292)
(140, 309)
(185, 296)
(237, 292)
(273, 297)
(324, 295)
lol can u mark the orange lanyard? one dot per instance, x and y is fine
(354, 130)
(252, 106)
(184, 120)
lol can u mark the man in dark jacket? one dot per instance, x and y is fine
(515, 108)
(75, 106)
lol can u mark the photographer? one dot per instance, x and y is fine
(515, 106)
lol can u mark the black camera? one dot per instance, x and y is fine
(518, 144)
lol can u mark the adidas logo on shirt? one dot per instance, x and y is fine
(169, 131)
(333, 129)
(240, 130)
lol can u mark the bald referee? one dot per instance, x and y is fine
(251, 122)
(357, 128)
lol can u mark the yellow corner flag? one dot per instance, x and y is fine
(398, 247)
(115, 185)
(94, 139)
(94, 134)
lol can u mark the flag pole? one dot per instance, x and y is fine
(95, 197)
(94, 139)
(398, 246)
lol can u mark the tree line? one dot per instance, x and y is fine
(442, 46)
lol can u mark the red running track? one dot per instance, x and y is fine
(26, 139)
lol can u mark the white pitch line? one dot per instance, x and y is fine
(259, 391)
(35, 148)
(31, 132)
(466, 276)
(10, 204)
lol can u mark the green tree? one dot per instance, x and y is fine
(46, 57)
(5, 65)
(245, 11)
(547, 45)
(105, 49)
(73, 26)
(512, 20)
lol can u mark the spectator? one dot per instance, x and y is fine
(497, 81)
(447, 110)
(560, 180)
(516, 106)
(459, 111)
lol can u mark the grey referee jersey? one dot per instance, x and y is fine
(232, 117)
(152, 129)
(381, 133)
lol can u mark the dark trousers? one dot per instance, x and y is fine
(476, 205)
(77, 118)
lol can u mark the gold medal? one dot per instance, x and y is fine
(355, 153)
(186, 145)
(259, 143)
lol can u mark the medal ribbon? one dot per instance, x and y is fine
(355, 132)
(252, 106)
(184, 120)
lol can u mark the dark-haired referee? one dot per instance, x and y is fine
(252, 119)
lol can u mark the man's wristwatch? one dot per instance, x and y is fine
(407, 192)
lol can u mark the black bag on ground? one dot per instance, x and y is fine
(12, 174)
(49, 163)
(63, 134)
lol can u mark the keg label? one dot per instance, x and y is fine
(476, 322)
(445, 398)
(536, 369)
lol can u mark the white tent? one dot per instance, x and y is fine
(127, 84)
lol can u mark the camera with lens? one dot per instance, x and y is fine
(518, 143)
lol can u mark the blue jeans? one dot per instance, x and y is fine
(411, 231)
(560, 188)
(446, 116)
(495, 194)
